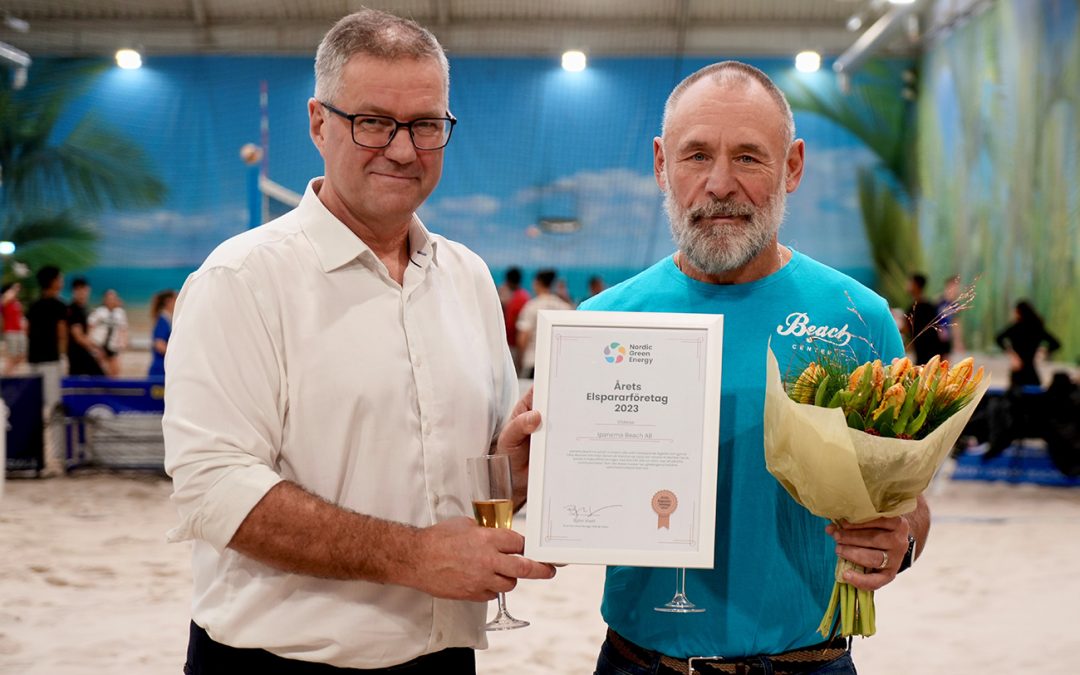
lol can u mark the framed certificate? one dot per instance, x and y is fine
(623, 467)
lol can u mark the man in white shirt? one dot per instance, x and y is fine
(328, 375)
(108, 329)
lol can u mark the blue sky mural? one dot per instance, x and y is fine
(533, 141)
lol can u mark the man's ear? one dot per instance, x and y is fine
(658, 163)
(794, 164)
(316, 122)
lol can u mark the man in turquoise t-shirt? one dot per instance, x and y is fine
(726, 161)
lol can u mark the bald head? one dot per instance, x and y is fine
(734, 74)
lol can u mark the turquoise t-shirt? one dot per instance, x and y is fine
(774, 564)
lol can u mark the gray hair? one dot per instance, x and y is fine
(372, 33)
(727, 72)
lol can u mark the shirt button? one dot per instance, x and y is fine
(438, 636)
(435, 500)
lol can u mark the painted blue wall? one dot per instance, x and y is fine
(532, 141)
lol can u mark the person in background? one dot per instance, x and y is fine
(950, 331)
(47, 338)
(922, 321)
(726, 160)
(1022, 339)
(108, 328)
(545, 298)
(563, 291)
(84, 357)
(328, 375)
(161, 310)
(14, 330)
(596, 286)
(513, 298)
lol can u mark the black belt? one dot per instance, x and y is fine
(805, 660)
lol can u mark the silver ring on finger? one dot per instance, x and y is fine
(884, 560)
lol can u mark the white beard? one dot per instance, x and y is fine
(716, 249)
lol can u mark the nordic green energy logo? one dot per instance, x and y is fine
(614, 353)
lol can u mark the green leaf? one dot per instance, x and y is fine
(52, 189)
(883, 424)
(819, 396)
(856, 421)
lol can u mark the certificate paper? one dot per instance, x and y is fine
(623, 468)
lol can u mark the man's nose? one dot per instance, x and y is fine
(721, 181)
(401, 148)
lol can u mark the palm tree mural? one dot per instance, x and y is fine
(999, 121)
(54, 183)
(875, 112)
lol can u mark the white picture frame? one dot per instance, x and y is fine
(629, 436)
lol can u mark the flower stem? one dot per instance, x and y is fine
(856, 606)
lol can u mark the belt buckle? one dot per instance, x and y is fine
(690, 662)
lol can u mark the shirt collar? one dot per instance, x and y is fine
(336, 245)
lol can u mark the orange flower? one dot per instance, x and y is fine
(893, 398)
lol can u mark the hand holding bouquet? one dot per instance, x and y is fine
(856, 442)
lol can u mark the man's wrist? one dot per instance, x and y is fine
(909, 556)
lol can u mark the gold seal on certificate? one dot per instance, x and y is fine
(664, 503)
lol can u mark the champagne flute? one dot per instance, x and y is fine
(493, 506)
(680, 604)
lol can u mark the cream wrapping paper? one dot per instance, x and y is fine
(841, 473)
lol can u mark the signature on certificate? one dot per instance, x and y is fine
(587, 514)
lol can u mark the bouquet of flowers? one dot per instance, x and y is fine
(856, 442)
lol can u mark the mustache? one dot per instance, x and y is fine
(721, 208)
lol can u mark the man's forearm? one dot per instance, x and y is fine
(293, 530)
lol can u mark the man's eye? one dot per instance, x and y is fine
(745, 159)
(372, 123)
(698, 156)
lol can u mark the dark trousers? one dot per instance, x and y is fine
(206, 657)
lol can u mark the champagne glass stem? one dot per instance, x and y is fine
(503, 620)
(502, 605)
(680, 604)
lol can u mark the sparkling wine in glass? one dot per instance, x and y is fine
(493, 506)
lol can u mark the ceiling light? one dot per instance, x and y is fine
(854, 22)
(128, 59)
(808, 62)
(901, 2)
(7, 247)
(573, 61)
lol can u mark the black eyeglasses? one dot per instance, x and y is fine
(378, 131)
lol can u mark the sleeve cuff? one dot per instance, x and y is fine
(225, 506)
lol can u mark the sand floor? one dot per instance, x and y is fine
(88, 585)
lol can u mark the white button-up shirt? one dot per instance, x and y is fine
(295, 356)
